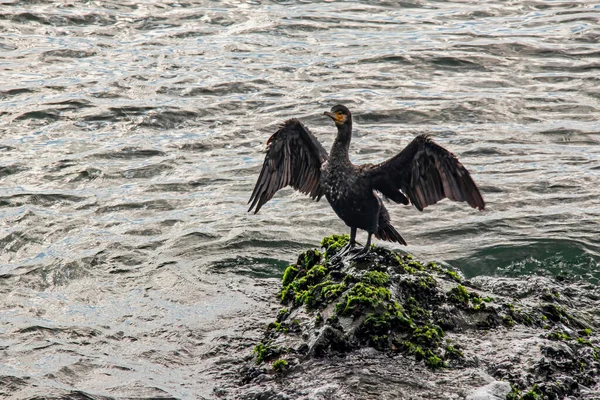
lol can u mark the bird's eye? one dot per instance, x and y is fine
(339, 113)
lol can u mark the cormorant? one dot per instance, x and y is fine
(422, 174)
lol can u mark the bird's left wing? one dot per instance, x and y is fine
(294, 157)
(426, 173)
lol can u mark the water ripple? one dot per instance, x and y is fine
(132, 134)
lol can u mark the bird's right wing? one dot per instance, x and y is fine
(294, 157)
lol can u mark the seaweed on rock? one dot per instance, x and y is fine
(393, 303)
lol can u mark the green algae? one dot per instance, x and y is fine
(558, 336)
(586, 332)
(333, 290)
(416, 266)
(532, 318)
(309, 258)
(283, 314)
(432, 360)
(376, 327)
(435, 362)
(431, 266)
(362, 297)
(319, 295)
(415, 311)
(333, 241)
(301, 289)
(428, 335)
(532, 394)
(459, 295)
(424, 342)
(562, 336)
(453, 353)
(260, 351)
(454, 275)
(274, 326)
(289, 275)
(421, 287)
(280, 365)
(376, 278)
(476, 300)
(284, 326)
(409, 265)
(550, 295)
(264, 351)
(332, 244)
(583, 341)
(404, 266)
(427, 282)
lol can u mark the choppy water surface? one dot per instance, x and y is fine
(132, 134)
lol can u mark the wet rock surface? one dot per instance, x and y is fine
(389, 326)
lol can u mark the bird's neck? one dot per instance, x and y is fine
(339, 150)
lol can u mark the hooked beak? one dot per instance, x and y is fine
(339, 119)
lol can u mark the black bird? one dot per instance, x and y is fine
(422, 174)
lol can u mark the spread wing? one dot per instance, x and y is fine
(426, 173)
(294, 157)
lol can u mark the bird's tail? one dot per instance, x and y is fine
(390, 234)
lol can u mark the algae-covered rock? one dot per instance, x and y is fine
(542, 342)
(385, 300)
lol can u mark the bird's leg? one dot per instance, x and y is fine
(348, 247)
(365, 250)
(352, 241)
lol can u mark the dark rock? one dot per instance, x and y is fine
(383, 326)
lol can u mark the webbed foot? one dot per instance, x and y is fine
(363, 252)
(342, 253)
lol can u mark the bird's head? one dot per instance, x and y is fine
(339, 114)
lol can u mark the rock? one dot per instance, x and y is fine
(385, 325)
(493, 391)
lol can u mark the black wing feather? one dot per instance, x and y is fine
(426, 173)
(294, 157)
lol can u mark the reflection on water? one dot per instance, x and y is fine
(132, 133)
(253, 267)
